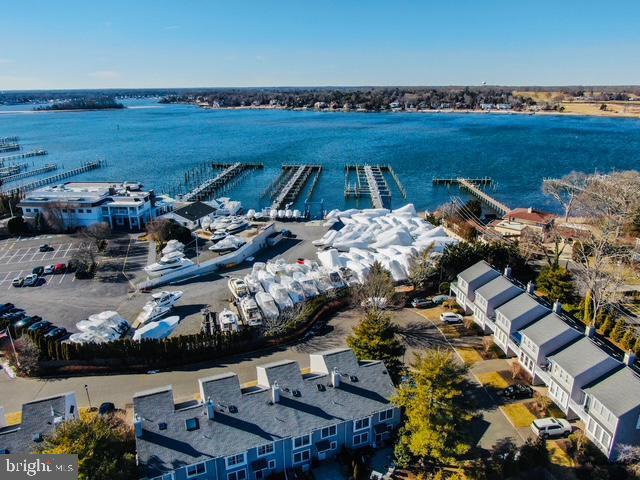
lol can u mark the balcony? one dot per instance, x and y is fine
(490, 324)
(543, 375)
(578, 410)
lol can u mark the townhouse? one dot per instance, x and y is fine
(469, 280)
(490, 296)
(284, 421)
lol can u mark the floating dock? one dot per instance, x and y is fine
(370, 181)
(472, 185)
(55, 178)
(291, 183)
(209, 188)
(9, 147)
(31, 173)
(12, 169)
(9, 140)
(20, 156)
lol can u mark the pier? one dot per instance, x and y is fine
(484, 197)
(20, 156)
(9, 147)
(12, 169)
(292, 182)
(209, 188)
(55, 178)
(484, 181)
(370, 182)
(31, 173)
(9, 140)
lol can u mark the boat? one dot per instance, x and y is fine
(281, 296)
(250, 312)
(228, 321)
(228, 244)
(237, 226)
(309, 286)
(238, 287)
(160, 304)
(173, 246)
(277, 267)
(218, 235)
(280, 214)
(251, 214)
(348, 276)
(322, 281)
(266, 278)
(297, 214)
(157, 330)
(267, 306)
(167, 264)
(252, 283)
(294, 289)
(288, 214)
(273, 214)
(336, 280)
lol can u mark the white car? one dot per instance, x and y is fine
(551, 427)
(451, 318)
(48, 270)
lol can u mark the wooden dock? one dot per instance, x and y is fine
(9, 140)
(9, 147)
(231, 173)
(292, 183)
(370, 182)
(31, 173)
(481, 195)
(55, 178)
(484, 181)
(20, 156)
(12, 169)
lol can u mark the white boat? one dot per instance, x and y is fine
(266, 278)
(297, 214)
(228, 244)
(281, 296)
(160, 304)
(157, 330)
(218, 235)
(100, 327)
(273, 214)
(348, 276)
(251, 214)
(322, 281)
(252, 283)
(238, 287)
(167, 264)
(294, 289)
(173, 246)
(267, 305)
(336, 280)
(309, 286)
(250, 312)
(277, 267)
(288, 213)
(237, 226)
(228, 321)
(280, 214)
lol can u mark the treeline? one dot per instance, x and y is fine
(99, 103)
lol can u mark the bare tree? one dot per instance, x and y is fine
(53, 216)
(531, 243)
(422, 268)
(274, 327)
(85, 254)
(97, 233)
(629, 455)
(157, 232)
(378, 291)
(565, 190)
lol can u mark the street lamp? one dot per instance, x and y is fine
(86, 389)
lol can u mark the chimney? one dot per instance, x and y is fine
(335, 378)
(531, 288)
(211, 409)
(275, 392)
(137, 425)
(590, 331)
(507, 271)
(530, 210)
(629, 358)
(557, 307)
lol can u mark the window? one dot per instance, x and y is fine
(29, 210)
(196, 469)
(328, 431)
(361, 424)
(88, 210)
(360, 438)
(238, 475)
(265, 449)
(80, 210)
(386, 415)
(302, 441)
(303, 456)
(234, 460)
(166, 476)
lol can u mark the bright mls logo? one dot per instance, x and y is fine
(50, 467)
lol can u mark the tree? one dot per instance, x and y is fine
(17, 226)
(85, 255)
(534, 454)
(618, 331)
(437, 413)
(628, 340)
(163, 230)
(378, 291)
(423, 269)
(97, 233)
(565, 190)
(557, 284)
(53, 217)
(607, 325)
(374, 338)
(27, 356)
(105, 446)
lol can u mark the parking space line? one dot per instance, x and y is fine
(5, 277)
(68, 248)
(14, 255)
(62, 278)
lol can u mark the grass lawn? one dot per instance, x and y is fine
(518, 414)
(470, 356)
(492, 379)
(13, 418)
(559, 456)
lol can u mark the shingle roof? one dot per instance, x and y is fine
(608, 390)
(37, 418)
(581, 356)
(246, 420)
(547, 328)
(520, 305)
(478, 270)
(194, 211)
(496, 287)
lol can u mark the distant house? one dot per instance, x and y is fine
(487, 106)
(191, 215)
(504, 106)
(39, 419)
(519, 219)
(286, 421)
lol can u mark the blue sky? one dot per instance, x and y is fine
(189, 43)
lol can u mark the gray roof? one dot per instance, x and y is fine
(547, 328)
(496, 287)
(365, 389)
(520, 305)
(478, 270)
(581, 356)
(37, 418)
(194, 211)
(609, 391)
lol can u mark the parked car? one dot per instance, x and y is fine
(49, 269)
(451, 318)
(106, 407)
(518, 390)
(10, 312)
(31, 280)
(39, 271)
(45, 248)
(551, 427)
(422, 303)
(440, 299)
(43, 325)
(17, 282)
(26, 322)
(59, 268)
(5, 307)
(56, 333)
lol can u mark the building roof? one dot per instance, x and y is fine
(194, 211)
(478, 270)
(529, 215)
(521, 305)
(39, 419)
(496, 287)
(547, 328)
(581, 356)
(608, 390)
(246, 419)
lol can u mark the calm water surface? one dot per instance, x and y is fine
(155, 144)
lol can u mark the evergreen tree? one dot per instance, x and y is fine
(628, 340)
(374, 338)
(437, 413)
(636, 346)
(607, 325)
(557, 284)
(587, 316)
(619, 330)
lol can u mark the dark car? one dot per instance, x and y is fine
(45, 248)
(43, 325)
(39, 271)
(56, 333)
(26, 322)
(422, 303)
(5, 307)
(106, 408)
(11, 311)
(516, 391)
(14, 317)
